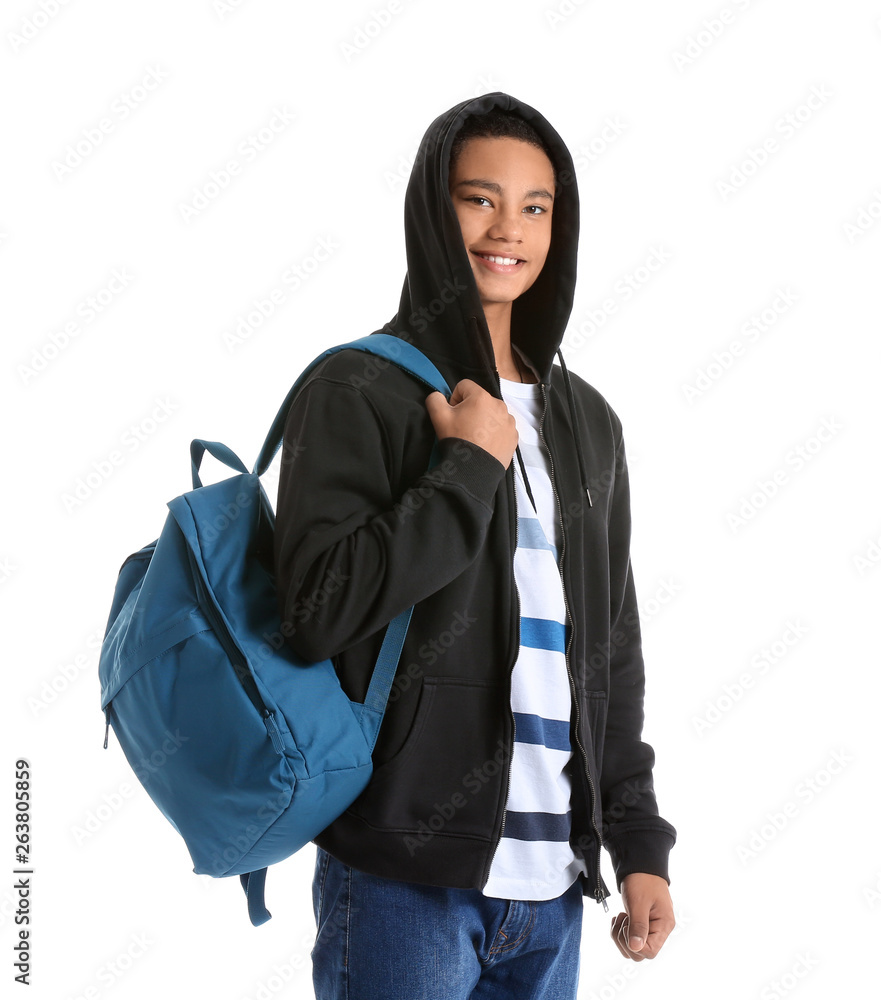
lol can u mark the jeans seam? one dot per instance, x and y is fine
(508, 945)
(322, 881)
(345, 970)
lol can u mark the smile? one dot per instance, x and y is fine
(500, 264)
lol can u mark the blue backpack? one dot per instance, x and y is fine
(249, 751)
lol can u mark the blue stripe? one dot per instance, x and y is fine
(537, 826)
(550, 733)
(542, 633)
(531, 536)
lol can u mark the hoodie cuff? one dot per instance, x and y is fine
(645, 851)
(467, 465)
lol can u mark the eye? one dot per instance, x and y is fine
(477, 197)
(541, 209)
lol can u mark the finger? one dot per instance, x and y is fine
(638, 912)
(457, 395)
(620, 934)
(658, 934)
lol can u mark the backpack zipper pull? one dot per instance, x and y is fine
(272, 729)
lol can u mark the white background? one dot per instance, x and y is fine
(117, 911)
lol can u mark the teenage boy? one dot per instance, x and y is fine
(511, 748)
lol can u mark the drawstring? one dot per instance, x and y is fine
(574, 414)
(526, 480)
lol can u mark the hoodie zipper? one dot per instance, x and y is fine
(599, 892)
(517, 627)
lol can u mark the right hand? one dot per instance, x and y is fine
(474, 415)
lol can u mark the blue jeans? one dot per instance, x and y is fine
(380, 939)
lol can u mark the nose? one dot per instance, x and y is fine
(506, 225)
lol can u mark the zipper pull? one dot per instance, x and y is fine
(107, 726)
(602, 899)
(272, 729)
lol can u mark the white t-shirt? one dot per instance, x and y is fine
(534, 859)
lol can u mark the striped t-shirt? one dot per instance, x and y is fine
(534, 859)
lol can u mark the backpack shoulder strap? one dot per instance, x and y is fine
(384, 345)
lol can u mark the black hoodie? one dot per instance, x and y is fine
(363, 532)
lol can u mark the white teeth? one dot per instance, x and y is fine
(499, 260)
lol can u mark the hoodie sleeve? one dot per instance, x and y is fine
(350, 554)
(637, 838)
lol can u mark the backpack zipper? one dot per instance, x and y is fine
(236, 658)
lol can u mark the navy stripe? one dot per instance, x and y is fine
(537, 826)
(550, 733)
(542, 633)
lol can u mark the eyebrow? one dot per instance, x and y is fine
(497, 189)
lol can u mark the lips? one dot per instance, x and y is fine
(494, 262)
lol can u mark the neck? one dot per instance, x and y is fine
(508, 364)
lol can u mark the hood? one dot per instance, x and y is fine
(440, 310)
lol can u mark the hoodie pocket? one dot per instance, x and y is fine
(447, 775)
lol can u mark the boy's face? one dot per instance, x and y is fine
(503, 192)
